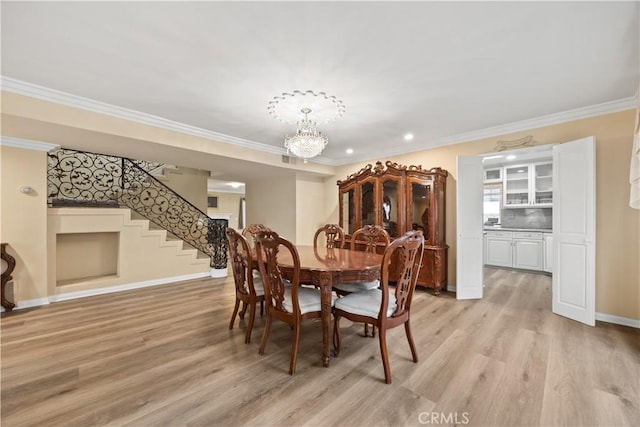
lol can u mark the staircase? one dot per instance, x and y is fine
(83, 179)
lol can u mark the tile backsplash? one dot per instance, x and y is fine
(526, 218)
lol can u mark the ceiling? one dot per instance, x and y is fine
(438, 70)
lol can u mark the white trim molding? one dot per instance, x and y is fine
(9, 141)
(125, 287)
(36, 302)
(618, 320)
(107, 290)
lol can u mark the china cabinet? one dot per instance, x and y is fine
(400, 198)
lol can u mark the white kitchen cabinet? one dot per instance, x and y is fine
(548, 252)
(498, 248)
(492, 175)
(517, 249)
(528, 185)
(527, 254)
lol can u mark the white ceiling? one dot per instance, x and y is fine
(440, 70)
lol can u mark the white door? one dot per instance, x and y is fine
(574, 230)
(469, 224)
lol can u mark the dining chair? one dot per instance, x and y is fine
(384, 307)
(249, 288)
(333, 234)
(251, 231)
(290, 304)
(371, 239)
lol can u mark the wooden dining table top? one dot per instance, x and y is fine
(326, 259)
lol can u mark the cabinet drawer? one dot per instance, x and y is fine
(507, 234)
(531, 235)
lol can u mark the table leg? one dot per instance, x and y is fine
(325, 284)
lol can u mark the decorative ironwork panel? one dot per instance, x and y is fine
(161, 205)
(218, 242)
(77, 178)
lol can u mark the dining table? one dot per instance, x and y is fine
(326, 267)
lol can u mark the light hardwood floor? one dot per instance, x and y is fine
(164, 356)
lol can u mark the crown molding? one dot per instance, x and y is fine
(29, 89)
(8, 141)
(523, 125)
(46, 94)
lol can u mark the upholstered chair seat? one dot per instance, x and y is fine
(365, 303)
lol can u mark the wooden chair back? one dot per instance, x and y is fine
(268, 245)
(251, 231)
(370, 238)
(334, 236)
(241, 262)
(242, 265)
(409, 248)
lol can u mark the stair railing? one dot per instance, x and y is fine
(83, 179)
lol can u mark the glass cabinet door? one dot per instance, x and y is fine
(543, 193)
(419, 207)
(390, 206)
(516, 184)
(367, 202)
(347, 210)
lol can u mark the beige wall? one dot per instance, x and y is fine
(310, 202)
(228, 203)
(617, 225)
(273, 202)
(189, 183)
(143, 254)
(23, 218)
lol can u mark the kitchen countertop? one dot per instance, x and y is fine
(500, 228)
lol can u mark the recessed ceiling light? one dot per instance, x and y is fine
(349, 151)
(235, 184)
(408, 137)
(511, 157)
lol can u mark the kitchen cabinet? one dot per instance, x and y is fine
(528, 185)
(498, 248)
(548, 252)
(527, 250)
(514, 249)
(492, 175)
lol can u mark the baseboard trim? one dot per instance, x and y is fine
(107, 290)
(618, 320)
(36, 302)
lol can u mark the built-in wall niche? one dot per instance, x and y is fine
(86, 256)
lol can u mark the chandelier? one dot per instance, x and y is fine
(308, 141)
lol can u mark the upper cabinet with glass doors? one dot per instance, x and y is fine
(528, 185)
